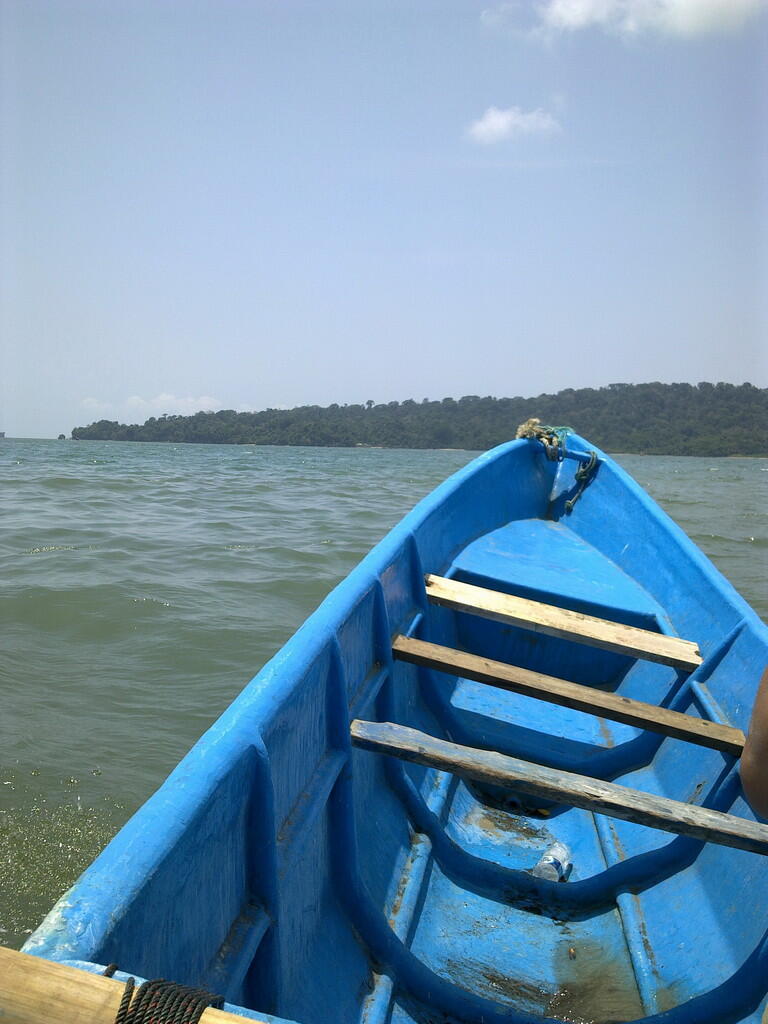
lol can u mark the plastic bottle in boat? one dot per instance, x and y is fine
(555, 863)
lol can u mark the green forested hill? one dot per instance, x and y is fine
(659, 419)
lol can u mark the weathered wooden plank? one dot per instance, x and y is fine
(37, 991)
(562, 787)
(554, 621)
(571, 695)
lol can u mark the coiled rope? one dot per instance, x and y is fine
(162, 1002)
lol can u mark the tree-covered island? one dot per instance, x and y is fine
(653, 419)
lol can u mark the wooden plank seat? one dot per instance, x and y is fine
(570, 695)
(561, 622)
(562, 787)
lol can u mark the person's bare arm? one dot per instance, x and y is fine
(754, 760)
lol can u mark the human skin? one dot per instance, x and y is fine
(753, 767)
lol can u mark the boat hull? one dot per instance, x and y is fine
(309, 880)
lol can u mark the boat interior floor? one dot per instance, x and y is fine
(517, 956)
(508, 950)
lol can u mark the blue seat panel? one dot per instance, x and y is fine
(546, 561)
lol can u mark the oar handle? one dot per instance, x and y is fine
(37, 991)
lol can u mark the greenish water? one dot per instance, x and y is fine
(143, 585)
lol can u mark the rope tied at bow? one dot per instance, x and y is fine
(553, 438)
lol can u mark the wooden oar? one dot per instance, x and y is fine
(36, 991)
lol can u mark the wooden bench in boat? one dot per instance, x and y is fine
(561, 622)
(570, 695)
(562, 787)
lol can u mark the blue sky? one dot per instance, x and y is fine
(252, 204)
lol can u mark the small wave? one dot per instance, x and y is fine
(60, 482)
(49, 547)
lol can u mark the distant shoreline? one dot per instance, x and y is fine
(710, 420)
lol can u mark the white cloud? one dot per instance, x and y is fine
(632, 17)
(498, 125)
(507, 15)
(138, 409)
(172, 404)
(94, 407)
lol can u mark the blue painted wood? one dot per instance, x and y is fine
(325, 885)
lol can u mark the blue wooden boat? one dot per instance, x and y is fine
(535, 654)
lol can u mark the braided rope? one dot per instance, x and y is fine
(582, 477)
(162, 1002)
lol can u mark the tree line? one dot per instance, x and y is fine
(654, 419)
